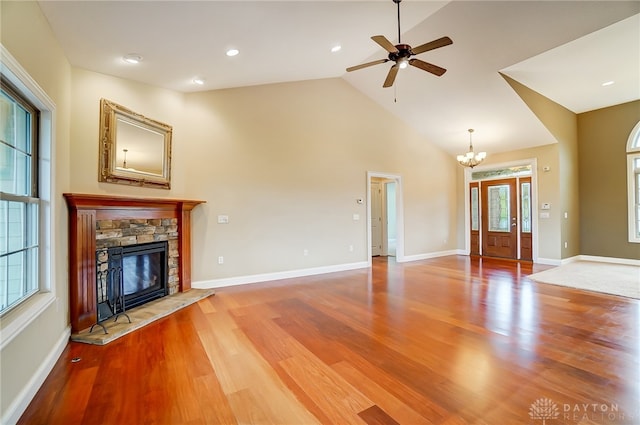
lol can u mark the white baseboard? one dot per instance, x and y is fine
(548, 261)
(265, 277)
(612, 260)
(418, 257)
(20, 404)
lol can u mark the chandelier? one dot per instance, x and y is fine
(471, 159)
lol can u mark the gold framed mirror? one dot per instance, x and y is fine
(134, 150)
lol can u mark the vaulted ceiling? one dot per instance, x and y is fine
(564, 50)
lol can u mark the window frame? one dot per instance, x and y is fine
(29, 199)
(633, 154)
(19, 317)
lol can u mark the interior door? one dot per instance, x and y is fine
(499, 219)
(376, 218)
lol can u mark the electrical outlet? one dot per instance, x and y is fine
(305, 252)
(221, 260)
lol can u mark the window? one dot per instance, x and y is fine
(475, 209)
(633, 183)
(525, 206)
(26, 199)
(499, 211)
(19, 203)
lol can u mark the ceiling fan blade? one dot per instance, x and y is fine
(441, 42)
(426, 66)
(364, 65)
(386, 44)
(391, 76)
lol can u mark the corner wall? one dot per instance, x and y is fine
(562, 123)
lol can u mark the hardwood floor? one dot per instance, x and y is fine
(452, 340)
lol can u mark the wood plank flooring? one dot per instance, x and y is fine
(452, 340)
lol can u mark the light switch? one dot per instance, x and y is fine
(223, 219)
(356, 217)
(544, 215)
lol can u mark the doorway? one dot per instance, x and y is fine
(385, 226)
(499, 215)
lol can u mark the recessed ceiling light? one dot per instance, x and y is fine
(232, 52)
(336, 48)
(199, 81)
(607, 83)
(132, 58)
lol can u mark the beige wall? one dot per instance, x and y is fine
(26, 35)
(603, 137)
(286, 163)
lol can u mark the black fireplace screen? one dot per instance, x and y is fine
(129, 276)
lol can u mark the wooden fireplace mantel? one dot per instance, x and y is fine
(84, 211)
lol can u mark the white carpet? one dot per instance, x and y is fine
(616, 279)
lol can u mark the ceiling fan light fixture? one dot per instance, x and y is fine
(336, 48)
(471, 159)
(199, 81)
(232, 52)
(608, 83)
(401, 54)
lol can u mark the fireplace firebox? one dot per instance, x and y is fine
(129, 276)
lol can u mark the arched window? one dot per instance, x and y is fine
(633, 183)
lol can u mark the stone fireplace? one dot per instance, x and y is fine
(102, 227)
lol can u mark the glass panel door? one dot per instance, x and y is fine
(499, 218)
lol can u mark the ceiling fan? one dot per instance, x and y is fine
(402, 54)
